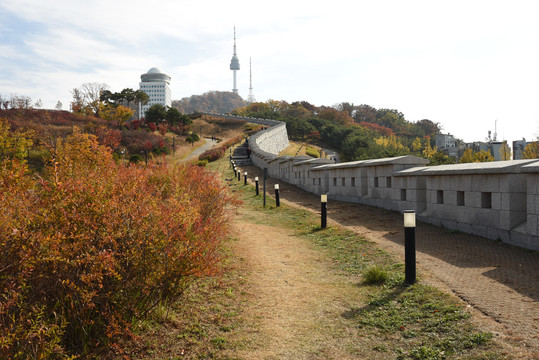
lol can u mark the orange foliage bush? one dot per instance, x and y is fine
(92, 245)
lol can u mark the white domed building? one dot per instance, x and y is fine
(155, 83)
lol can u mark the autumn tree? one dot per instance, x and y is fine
(467, 156)
(483, 156)
(531, 151)
(119, 114)
(505, 151)
(416, 145)
(192, 138)
(428, 150)
(391, 146)
(87, 98)
(364, 113)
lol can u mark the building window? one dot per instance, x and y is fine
(376, 181)
(319, 181)
(343, 182)
(460, 198)
(403, 194)
(353, 182)
(388, 181)
(486, 200)
(439, 196)
(334, 181)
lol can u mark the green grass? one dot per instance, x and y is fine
(405, 322)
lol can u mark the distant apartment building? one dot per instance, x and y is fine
(447, 144)
(155, 83)
(518, 148)
(445, 141)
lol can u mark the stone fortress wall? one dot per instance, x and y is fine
(496, 200)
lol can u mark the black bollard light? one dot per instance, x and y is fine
(256, 186)
(245, 178)
(277, 201)
(409, 247)
(239, 175)
(235, 173)
(324, 212)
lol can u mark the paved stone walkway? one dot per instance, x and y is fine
(500, 283)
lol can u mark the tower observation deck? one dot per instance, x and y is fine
(235, 64)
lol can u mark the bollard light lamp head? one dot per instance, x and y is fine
(245, 173)
(276, 186)
(409, 218)
(324, 198)
(256, 178)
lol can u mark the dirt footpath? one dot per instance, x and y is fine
(501, 282)
(295, 302)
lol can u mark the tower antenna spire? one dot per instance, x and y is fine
(251, 97)
(234, 64)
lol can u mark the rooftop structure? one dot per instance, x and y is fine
(155, 83)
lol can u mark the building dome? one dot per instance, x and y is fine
(155, 70)
(155, 74)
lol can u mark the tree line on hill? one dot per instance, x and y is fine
(357, 132)
(212, 101)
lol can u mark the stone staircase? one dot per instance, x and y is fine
(241, 157)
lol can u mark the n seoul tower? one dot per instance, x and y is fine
(235, 64)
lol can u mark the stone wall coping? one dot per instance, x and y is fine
(532, 167)
(419, 170)
(284, 158)
(301, 158)
(398, 160)
(493, 167)
(315, 161)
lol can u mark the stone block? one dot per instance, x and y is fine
(445, 183)
(497, 234)
(532, 181)
(450, 197)
(461, 183)
(485, 183)
(434, 182)
(464, 227)
(473, 199)
(512, 182)
(531, 204)
(486, 217)
(449, 224)
(514, 201)
(533, 225)
(497, 201)
(479, 230)
(465, 215)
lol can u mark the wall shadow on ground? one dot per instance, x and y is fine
(514, 267)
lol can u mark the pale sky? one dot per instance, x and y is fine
(463, 64)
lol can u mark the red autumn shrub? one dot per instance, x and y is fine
(93, 245)
(212, 154)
